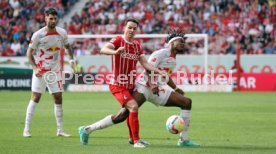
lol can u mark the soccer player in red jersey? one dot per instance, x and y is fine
(126, 52)
(159, 93)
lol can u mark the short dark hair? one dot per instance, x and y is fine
(132, 20)
(175, 33)
(51, 11)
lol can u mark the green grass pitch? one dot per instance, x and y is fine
(221, 122)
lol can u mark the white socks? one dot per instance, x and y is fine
(29, 114)
(105, 122)
(185, 114)
(58, 115)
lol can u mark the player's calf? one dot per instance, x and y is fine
(178, 100)
(121, 116)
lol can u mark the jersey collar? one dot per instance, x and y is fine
(126, 40)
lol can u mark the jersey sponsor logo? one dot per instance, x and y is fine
(129, 56)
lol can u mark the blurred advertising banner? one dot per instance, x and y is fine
(213, 82)
(227, 82)
(185, 63)
(192, 63)
(192, 82)
(259, 73)
(15, 81)
(257, 82)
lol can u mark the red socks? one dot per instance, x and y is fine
(133, 124)
(129, 129)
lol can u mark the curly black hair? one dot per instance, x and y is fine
(175, 33)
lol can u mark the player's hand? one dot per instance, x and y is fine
(155, 90)
(37, 72)
(73, 66)
(119, 50)
(180, 91)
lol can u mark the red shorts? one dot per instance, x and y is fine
(122, 94)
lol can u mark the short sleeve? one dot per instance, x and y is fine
(155, 59)
(116, 42)
(34, 41)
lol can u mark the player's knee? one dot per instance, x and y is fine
(133, 108)
(36, 97)
(189, 103)
(57, 98)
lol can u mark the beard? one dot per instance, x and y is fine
(52, 26)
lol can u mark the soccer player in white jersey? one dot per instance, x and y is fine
(46, 44)
(159, 94)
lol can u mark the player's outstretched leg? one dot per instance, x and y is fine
(101, 124)
(84, 131)
(108, 121)
(185, 104)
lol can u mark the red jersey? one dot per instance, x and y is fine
(124, 64)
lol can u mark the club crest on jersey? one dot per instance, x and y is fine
(125, 97)
(129, 56)
(154, 59)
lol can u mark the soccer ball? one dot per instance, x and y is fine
(175, 124)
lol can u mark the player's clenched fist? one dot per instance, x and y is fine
(119, 50)
(73, 65)
(37, 72)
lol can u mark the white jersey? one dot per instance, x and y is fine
(161, 59)
(48, 46)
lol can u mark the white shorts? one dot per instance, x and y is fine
(164, 94)
(51, 80)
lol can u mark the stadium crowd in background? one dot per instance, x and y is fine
(19, 19)
(252, 24)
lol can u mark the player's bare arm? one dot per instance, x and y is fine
(173, 86)
(143, 61)
(32, 62)
(68, 49)
(108, 49)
